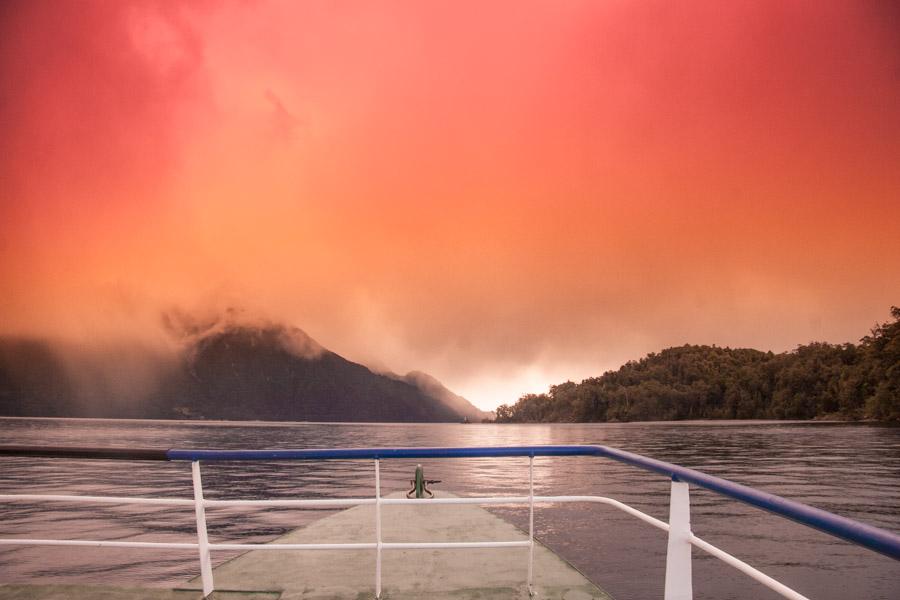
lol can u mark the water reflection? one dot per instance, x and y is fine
(851, 470)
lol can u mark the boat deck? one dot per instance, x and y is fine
(451, 574)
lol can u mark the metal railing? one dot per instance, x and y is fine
(678, 579)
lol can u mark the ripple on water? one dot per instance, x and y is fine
(848, 469)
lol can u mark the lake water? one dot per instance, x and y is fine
(852, 470)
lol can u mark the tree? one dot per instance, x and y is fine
(707, 382)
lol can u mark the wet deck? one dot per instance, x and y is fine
(457, 574)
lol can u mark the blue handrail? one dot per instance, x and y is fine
(873, 538)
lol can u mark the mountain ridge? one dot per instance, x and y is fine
(229, 370)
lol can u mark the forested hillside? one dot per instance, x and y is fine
(818, 380)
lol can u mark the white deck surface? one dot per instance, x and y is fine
(457, 574)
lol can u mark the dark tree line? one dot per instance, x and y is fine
(845, 381)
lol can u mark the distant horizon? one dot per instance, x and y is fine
(382, 369)
(251, 423)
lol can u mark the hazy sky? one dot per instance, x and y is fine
(505, 195)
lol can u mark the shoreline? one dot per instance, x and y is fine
(258, 423)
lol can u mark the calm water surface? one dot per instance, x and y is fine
(852, 470)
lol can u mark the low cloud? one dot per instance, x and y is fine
(191, 328)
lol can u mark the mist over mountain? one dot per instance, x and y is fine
(220, 368)
(430, 386)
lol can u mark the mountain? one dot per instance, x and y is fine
(230, 371)
(430, 386)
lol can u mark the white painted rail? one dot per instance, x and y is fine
(675, 589)
(678, 584)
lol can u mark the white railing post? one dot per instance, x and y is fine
(377, 529)
(206, 575)
(531, 525)
(679, 584)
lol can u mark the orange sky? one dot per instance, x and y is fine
(505, 196)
